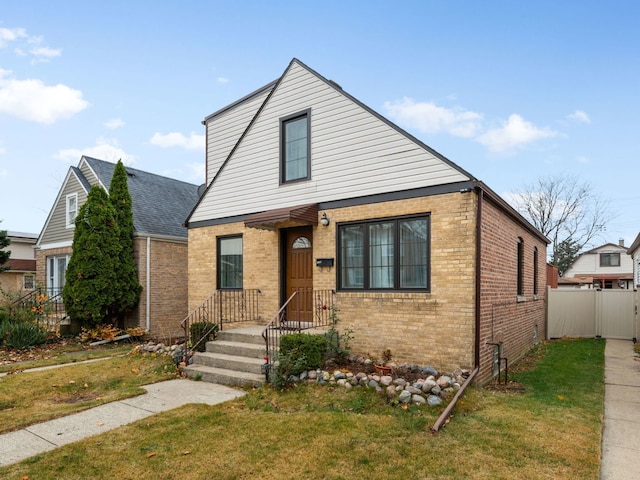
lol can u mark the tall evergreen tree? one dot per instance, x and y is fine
(128, 288)
(91, 280)
(565, 254)
(4, 254)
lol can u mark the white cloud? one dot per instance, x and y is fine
(175, 139)
(104, 149)
(431, 118)
(2, 149)
(583, 159)
(44, 54)
(32, 100)
(4, 173)
(223, 80)
(114, 123)
(579, 116)
(27, 44)
(515, 133)
(8, 35)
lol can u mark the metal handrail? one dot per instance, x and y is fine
(323, 309)
(271, 333)
(223, 307)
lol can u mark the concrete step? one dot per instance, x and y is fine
(223, 376)
(252, 335)
(238, 349)
(229, 362)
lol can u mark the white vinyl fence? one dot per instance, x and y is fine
(591, 313)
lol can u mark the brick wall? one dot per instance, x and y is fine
(11, 281)
(435, 327)
(168, 290)
(505, 317)
(168, 285)
(41, 262)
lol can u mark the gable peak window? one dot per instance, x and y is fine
(72, 209)
(295, 147)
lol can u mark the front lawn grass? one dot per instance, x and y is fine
(551, 430)
(33, 397)
(60, 355)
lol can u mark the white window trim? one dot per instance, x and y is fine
(67, 211)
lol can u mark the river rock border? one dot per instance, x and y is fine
(432, 388)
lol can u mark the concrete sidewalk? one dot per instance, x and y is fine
(42, 437)
(621, 434)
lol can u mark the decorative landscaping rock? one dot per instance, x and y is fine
(444, 381)
(429, 370)
(428, 385)
(419, 399)
(413, 390)
(427, 389)
(404, 397)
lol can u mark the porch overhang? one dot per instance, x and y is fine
(303, 215)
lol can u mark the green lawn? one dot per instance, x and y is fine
(552, 430)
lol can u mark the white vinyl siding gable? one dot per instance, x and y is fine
(353, 154)
(224, 130)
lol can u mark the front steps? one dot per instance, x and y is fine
(234, 359)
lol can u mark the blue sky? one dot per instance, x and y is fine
(510, 91)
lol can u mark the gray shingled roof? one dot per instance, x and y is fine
(160, 204)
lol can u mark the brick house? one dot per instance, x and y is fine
(310, 190)
(159, 206)
(20, 277)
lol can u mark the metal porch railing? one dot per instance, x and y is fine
(221, 308)
(288, 318)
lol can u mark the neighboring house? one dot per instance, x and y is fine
(605, 267)
(21, 276)
(634, 253)
(308, 190)
(159, 205)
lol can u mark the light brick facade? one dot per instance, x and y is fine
(167, 287)
(438, 327)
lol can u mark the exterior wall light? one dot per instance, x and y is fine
(324, 220)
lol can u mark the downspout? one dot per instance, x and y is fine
(447, 411)
(478, 272)
(148, 287)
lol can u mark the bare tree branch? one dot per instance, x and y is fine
(566, 210)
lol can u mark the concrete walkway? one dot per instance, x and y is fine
(621, 434)
(42, 437)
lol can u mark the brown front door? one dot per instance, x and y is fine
(299, 273)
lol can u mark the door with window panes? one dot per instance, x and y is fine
(299, 273)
